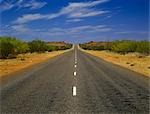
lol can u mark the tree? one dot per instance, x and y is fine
(12, 46)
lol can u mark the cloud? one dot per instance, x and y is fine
(85, 31)
(83, 9)
(84, 4)
(20, 28)
(72, 11)
(85, 13)
(63, 31)
(74, 20)
(32, 4)
(29, 17)
(132, 32)
(6, 6)
(78, 30)
(89, 28)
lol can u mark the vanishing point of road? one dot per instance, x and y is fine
(75, 82)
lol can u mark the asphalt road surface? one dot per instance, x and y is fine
(75, 82)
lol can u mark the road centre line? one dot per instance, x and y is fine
(74, 91)
(75, 62)
(75, 73)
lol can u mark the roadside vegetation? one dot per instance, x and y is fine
(17, 54)
(134, 55)
(11, 47)
(122, 47)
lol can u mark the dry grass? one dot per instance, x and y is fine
(8, 66)
(133, 61)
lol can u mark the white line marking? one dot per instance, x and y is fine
(75, 73)
(74, 91)
(75, 66)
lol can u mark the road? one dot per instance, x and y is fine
(75, 82)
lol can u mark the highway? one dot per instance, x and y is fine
(75, 82)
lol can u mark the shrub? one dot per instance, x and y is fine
(68, 46)
(21, 47)
(97, 47)
(83, 46)
(50, 48)
(10, 47)
(92, 47)
(108, 45)
(143, 47)
(37, 46)
(124, 46)
(6, 48)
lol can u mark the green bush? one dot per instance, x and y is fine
(97, 47)
(92, 47)
(6, 48)
(83, 46)
(21, 47)
(37, 46)
(10, 47)
(50, 48)
(108, 46)
(124, 46)
(143, 47)
(68, 46)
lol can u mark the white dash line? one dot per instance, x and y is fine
(74, 91)
(75, 66)
(75, 73)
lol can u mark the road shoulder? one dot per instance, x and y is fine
(131, 62)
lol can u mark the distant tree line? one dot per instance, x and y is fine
(120, 46)
(11, 47)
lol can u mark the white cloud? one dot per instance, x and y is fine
(89, 28)
(6, 6)
(84, 4)
(73, 20)
(73, 11)
(32, 4)
(29, 17)
(84, 31)
(131, 32)
(83, 9)
(35, 5)
(20, 28)
(78, 30)
(85, 13)
(7, 30)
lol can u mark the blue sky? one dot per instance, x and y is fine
(75, 20)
